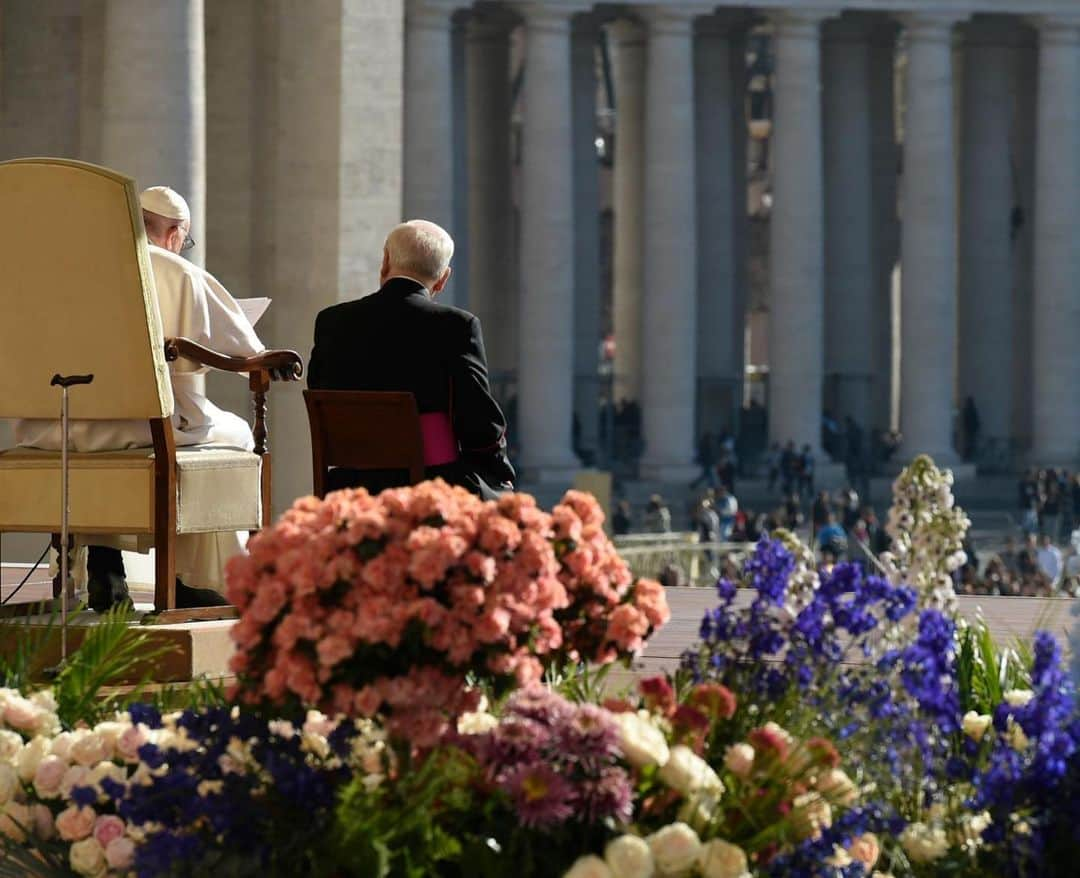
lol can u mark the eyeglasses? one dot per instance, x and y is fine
(189, 242)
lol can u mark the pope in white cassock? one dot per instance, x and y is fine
(194, 305)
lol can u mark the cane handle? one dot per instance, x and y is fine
(59, 380)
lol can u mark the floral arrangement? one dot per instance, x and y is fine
(364, 604)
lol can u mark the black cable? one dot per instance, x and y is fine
(26, 578)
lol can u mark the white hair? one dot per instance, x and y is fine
(420, 249)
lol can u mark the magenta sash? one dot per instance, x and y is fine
(440, 445)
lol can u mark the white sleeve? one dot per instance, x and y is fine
(216, 321)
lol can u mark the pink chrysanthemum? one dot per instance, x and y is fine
(541, 796)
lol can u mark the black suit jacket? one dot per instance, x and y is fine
(400, 339)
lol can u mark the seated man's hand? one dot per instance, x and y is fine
(284, 374)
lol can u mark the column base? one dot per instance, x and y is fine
(668, 473)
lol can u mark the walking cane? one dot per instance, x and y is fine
(64, 382)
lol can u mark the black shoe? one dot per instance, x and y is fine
(188, 597)
(105, 590)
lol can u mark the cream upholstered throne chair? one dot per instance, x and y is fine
(77, 297)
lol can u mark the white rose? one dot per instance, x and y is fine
(61, 745)
(924, 844)
(87, 857)
(44, 699)
(675, 848)
(739, 759)
(1018, 697)
(976, 724)
(641, 741)
(628, 856)
(720, 859)
(28, 758)
(90, 748)
(588, 867)
(476, 723)
(103, 770)
(9, 782)
(10, 744)
(688, 773)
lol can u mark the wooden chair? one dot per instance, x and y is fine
(365, 431)
(87, 305)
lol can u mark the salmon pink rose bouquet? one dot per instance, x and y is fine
(363, 604)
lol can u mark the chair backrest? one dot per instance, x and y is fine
(77, 294)
(364, 430)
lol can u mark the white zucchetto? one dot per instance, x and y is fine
(165, 202)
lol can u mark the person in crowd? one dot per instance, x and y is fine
(772, 465)
(970, 419)
(706, 458)
(194, 305)
(726, 508)
(1050, 508)
(1028, 502)
(879, 538)
(657, 516)
(789, 469)
(1071, 564)
(832, 538)
(1008, 557)
(806, 472)
(622, 520)
(792, 513)
(726, 469)
(708, 529)
(1027, 559)
(1049, 558)
(402, 339)
(820, 510)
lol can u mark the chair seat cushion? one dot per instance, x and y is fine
(218, 488)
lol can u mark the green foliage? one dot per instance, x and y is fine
(985, 671)
(44, 861)
(24, 667)
(199, 694)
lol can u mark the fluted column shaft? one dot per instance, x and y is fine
(1056, 324)
(545, 373)
(797, 247)
(586, 234)
(670, 302)
(154, 99)
(492, 293)
(718, 322)
(629, 204)
(986, 329)
(849, 227)
(428, 178)
(928, 243)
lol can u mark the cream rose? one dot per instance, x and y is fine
(120, 854)
(588, 867)
(103, 770)
(90, 748)
(866, 849)
(30, 756)
(87, 857)
(924, 844)
(721, 859)
(675, 848)
(837, 786)
(75, 776)
(628, 856)
(10, 744)
(688, 773)
(976, 724)
(739, 759)
(24, 715)
(130, 740)
(640, 740)
(476, 723)
(9, 783)
(50, 772)
(74, 823)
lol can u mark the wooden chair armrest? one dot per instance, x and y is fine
(286, 365)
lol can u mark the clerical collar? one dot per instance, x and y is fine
(413, 279)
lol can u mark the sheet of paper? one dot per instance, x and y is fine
(253, 308)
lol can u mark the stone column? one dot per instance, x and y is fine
(1025, 123)
(428, 173)
(492, 286)
(718, 210)
(849, 220)
(546, 326)
(39, 70)
(154, 99)
(1056, 310)
(460, 225)
(629, 204)
(92, 71)
(670, 299)
(885, 162)
(986, 327)
(797, 247)
(583, 43)
(740, 211)
(928, 243)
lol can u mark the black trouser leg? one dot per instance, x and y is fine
(101, 560)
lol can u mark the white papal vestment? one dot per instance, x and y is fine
(194, 305)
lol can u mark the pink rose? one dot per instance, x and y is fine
(50, 772)
(75, 776)
(75, 823)
(334, 649)
(739, 759)
(120, 854)
(866, 849)
(21, 714)
(108, 828)
(130, 740)
(44, 825)
(492, 626)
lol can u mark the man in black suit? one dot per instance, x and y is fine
(401, 339)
